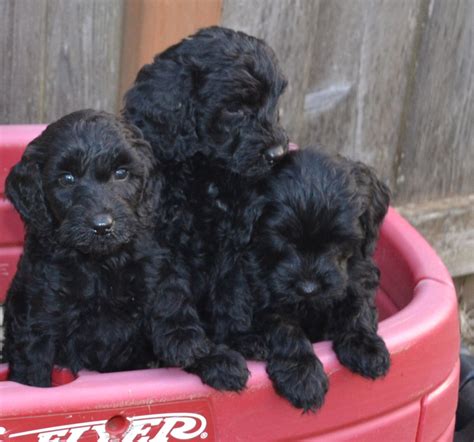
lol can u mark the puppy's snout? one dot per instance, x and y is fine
(273, 153)
(102, 223)
(308, 287)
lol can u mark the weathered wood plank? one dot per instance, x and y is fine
(448, 224)
(150, 26)
(83, 55)
(438, 144)
(58, 56)
(22, 47)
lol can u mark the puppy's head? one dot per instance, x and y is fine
(314, 229)
(215, 93)
(85, 183)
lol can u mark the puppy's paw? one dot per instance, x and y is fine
(184, 347)
(253, 347)
(222, 369)
(365, 354)
(302, 380)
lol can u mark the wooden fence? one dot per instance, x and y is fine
(57, 56)
(390, 82)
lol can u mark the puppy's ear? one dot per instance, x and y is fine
(374, 197)
(161, 104)
(24, 188)
(134, 136)
(152, 181)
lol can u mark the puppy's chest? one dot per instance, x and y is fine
(209, 216)
(314, 320)
(223, 209)
(100, 295)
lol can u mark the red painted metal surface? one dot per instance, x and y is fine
(415, 401)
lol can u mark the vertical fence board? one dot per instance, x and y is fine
(83, 51)
(387, 55)
(329, 112)
(22, 39)
(150, 26)
(438, 144)
(58, 56)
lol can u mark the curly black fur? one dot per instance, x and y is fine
(313, 275)
(209, 107)
(83, 190)
(214, 93)
(90, 287)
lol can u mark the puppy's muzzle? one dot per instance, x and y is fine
(102, 224)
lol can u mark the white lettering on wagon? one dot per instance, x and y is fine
(179, 426)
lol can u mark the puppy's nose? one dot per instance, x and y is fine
(273, 153)
(308, 287)
(102, 223)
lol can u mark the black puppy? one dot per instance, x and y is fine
(86, 293)
(83, 191)
(313, 274)
(209, 107)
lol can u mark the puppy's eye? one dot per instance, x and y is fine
(121, 174)
(67, 179)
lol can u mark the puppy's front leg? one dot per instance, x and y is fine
(29, 346)
(296, 372)
(231, 302)
(34, 368)
(177, 334)
(179, 339)
(354, 330)
(31, 310)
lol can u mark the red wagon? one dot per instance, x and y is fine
(416, 401)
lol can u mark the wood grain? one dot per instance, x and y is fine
(150, 26)
(83, 53)
(58, 56)
(22, 48)
(448, 224)
(438, 143)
